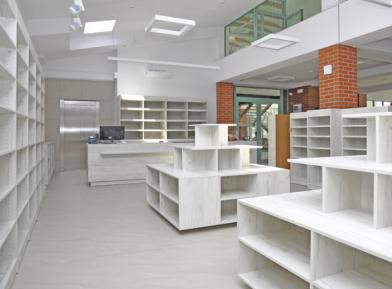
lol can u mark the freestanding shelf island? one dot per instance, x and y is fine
(339, 237)
(203, 185)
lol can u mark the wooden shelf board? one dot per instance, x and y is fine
(229, 218)
(5, 74)
(355, 136)
(171, 197)
(283, 248)
(355, 149)
(352, 280)
(5, 38)
(269, 278)
(320, 148)
(6, 229)
(171, 216)
(236, 194)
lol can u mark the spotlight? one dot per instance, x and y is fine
(76, 24)
(76, 7)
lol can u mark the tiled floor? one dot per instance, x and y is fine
(108, 238)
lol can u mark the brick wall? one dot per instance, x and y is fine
(309, 98)
(339, 89)
(224, 102)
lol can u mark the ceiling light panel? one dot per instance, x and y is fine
(275, 41)
(184, 25)
(99, 26)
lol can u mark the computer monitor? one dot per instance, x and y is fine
(111, 132)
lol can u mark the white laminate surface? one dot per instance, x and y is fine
(124, 162)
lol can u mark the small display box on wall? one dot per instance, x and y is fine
(297, 107)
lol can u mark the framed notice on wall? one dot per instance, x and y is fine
(297, 107)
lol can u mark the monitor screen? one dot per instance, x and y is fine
(111, 132)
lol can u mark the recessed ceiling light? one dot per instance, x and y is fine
(76, 24)
(76, 7)
(275, 41)
(185, 24)
(281, 78)
(99, 26)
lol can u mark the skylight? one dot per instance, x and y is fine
(99, 26)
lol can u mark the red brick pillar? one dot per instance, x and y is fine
(224, 102)
(338, 89)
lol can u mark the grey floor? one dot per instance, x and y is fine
(108, 238)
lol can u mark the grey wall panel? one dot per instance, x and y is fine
(56, 89)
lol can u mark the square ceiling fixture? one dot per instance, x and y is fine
(275, 41)
(184, 25)
(387, 3)
(99, 26)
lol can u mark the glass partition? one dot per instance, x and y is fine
(271, 16)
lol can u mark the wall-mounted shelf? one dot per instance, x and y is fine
(151, 119)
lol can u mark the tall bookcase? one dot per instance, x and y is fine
(314, 133)
(22, 125)
(153, 119)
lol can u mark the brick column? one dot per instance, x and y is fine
(340, 88)
(224, 102)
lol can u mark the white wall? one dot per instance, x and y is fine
(86, 67)
(186, 82)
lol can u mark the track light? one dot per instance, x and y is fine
(76, 7)
(76, 24)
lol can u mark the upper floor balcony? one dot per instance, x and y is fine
(271, 16)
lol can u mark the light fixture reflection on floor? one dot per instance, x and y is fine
(275, 41)
(185, 24)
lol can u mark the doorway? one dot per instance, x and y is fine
(252, 108)
(79, 120)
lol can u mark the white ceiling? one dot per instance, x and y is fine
(374, 66)
(48, 20)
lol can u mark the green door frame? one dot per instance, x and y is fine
(258, 100)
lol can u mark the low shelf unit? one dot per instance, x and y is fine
(205, 182)
(333, 238)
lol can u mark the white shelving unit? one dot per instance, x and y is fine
(314, 133)
(49, 161)
(354, 131)
(21, 139)
(333, 238)
(154, 119)
(299, 146)
(205, 182)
